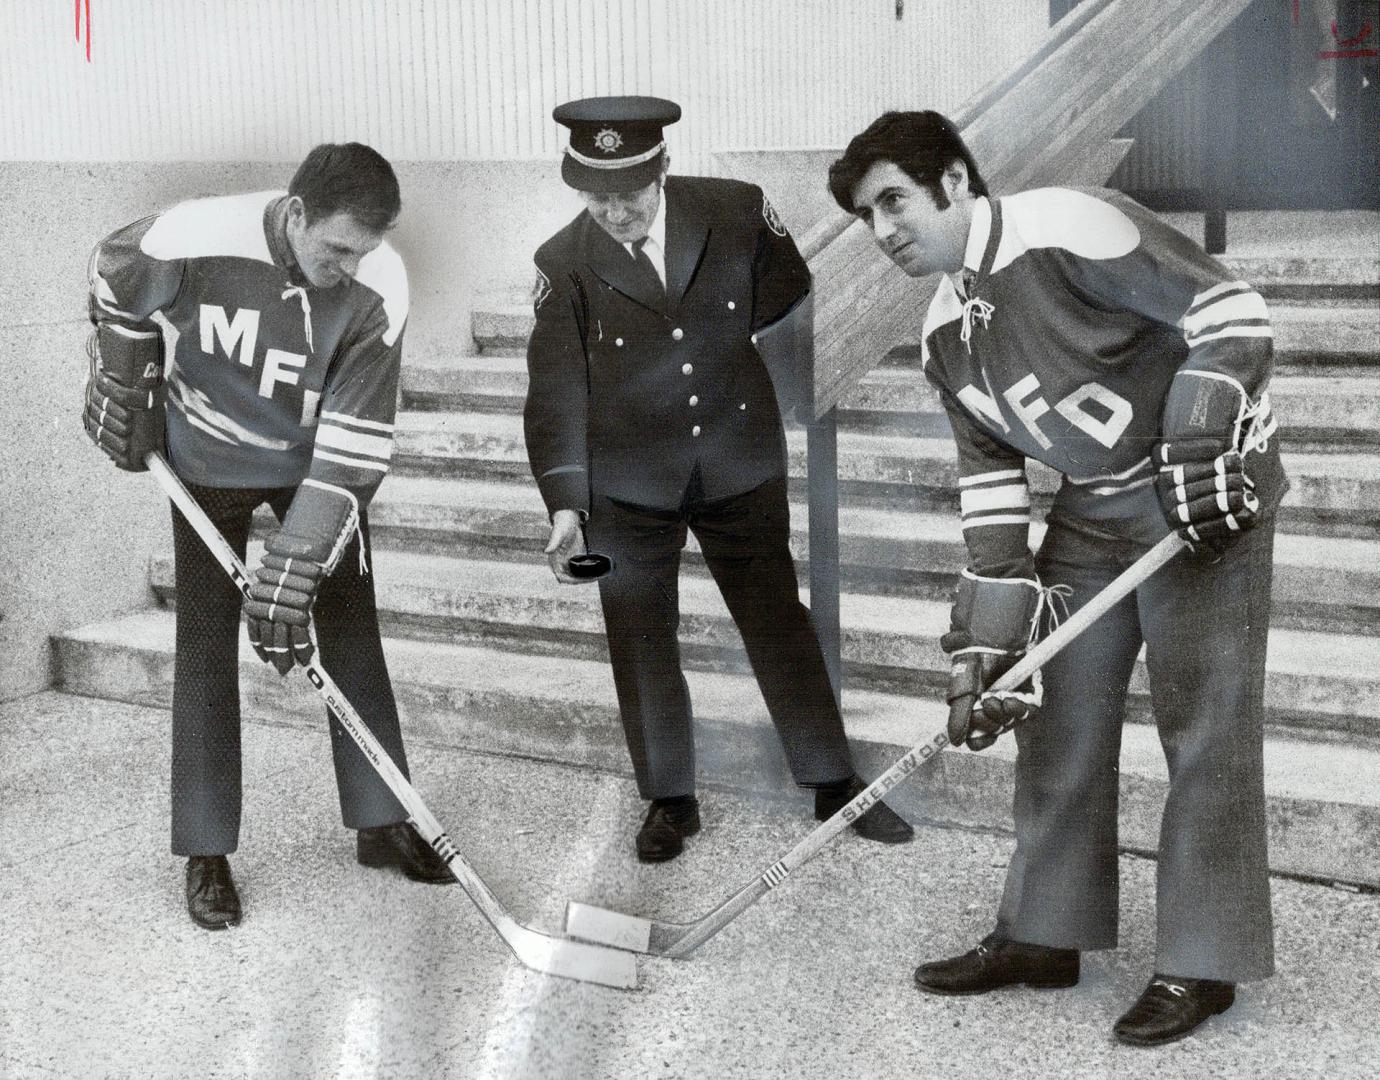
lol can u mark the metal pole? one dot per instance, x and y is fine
(1219, 129)
(822, 463)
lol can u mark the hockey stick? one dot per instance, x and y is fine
(541, 952)
(680, 939)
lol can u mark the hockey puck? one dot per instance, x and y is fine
(588, 566)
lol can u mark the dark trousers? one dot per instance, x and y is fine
(206, 793)
(746, 544)
(1204, 627)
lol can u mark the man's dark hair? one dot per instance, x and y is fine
(350, 177)
(920, 144)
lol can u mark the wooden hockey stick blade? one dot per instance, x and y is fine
(657, 938)
(553, 956)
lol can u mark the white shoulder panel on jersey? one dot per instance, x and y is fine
(383, 271)
(945, 307)
(230, 225)
(1063, 218)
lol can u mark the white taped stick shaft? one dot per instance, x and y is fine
(569, 959)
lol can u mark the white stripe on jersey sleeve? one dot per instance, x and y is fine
(1249, 330)
(1006, 497)
(352, 462)
(1000, 497)
(354, 421)
(1238, 310)
(354, 442)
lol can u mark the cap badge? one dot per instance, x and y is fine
(608, 140)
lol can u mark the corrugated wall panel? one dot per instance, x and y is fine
(1167, 154)
(437, 79)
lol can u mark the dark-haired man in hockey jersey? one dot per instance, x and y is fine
(258, 338)
(1076, 328)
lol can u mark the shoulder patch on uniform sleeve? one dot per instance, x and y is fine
(541, 289)
(771, 217)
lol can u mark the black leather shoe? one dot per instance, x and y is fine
(399, 846)
(996, 963)
(212, 901)
(665, 828)
(1171, 1008)
(880, 823)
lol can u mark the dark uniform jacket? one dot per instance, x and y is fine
(638, 388)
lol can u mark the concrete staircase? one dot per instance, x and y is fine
(488, 653)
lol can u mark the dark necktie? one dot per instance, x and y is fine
(646, 268)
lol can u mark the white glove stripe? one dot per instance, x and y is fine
(1180, 494)
(271, 606)
(1193, 533)
(1223, 503)
(1232, 523)
(1183, 513)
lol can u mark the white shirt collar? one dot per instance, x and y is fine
(655, 247)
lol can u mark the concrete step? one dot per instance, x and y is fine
(1305, 332)
(1321, 682)
(1316, 412)
(1324, 798)
(1333, 488)
(1321, 583)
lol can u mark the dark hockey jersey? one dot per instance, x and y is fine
(1080, 308)
(270, 380)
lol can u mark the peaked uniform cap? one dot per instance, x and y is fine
(615, 142)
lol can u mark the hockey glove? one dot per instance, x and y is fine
(992, 623)
(1204, 490)
(297, 559)
(124, 412)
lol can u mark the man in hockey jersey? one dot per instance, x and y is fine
(263, 333)
(650, 412)
(1075, 328)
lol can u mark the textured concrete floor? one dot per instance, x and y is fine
(342, 972)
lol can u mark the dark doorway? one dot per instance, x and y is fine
(1282, 111)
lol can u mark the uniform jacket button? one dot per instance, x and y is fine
(731, 305)
(618, 342)
(685, 369)
(677, 334)
(694, 399)
(695, 431)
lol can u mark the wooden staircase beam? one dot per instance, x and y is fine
(1051, 120)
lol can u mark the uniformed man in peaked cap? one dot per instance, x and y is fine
(650, 411)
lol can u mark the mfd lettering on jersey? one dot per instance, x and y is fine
(235, 337)
(1092, 408)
